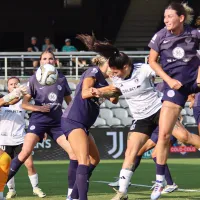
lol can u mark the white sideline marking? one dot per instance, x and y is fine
(148, 186)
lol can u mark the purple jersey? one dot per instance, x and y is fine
(86, 111)
(160, 86)
(49, 95)
(178, 53)
(197, 100)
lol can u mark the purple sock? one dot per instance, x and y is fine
(137, 162)
(82, 181)
(74, 193)
(14, 167)
(72, 173)
(168, 176)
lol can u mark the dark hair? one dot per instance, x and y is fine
(116, 59)
(13, 77)
(182, 9)
(47, 51)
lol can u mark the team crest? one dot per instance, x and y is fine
(59, 87)
(178, 52)
(171, 93)
(52, 97)
(188, 40)
(94, 70)
(32, 127)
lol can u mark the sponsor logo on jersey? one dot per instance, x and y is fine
(59, 87)
(94, 70)
(178, 52)
(52, 97)
(154, 38)
(32, 127)
(166, 41)
(188, 39)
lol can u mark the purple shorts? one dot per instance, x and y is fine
(180, 96)
(154, 137)
(68, 126)
(39, 129)
(196, 112)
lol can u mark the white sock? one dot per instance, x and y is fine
(1, 195)
(160, 178)
(69, 191)
(34, 180)
(11, 184)
(125, 177)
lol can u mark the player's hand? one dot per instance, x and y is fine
(191, 103)
(16, 93)
(95, 92)
(45, 108)
(174, 84)
(24, 89)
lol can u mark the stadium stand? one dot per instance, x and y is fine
(114, 115)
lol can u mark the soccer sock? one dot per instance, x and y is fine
(168, 176)
(125, 177)
(137, 162)
(5, 161)
(72, 175)
(14, 167)
(34, 180)
(82, 181)
(11, 184)
(75, 194)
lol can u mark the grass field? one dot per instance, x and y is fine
(53, 180)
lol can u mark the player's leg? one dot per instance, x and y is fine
(73, 164)
(30, 141)
(169, 111)
(79, 136)
(134, 143)
(5, 161)
(11, 183)
(33, 177)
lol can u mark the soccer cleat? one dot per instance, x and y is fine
(11, 194)
(37, 191)
(157, 190)
(154, 184)
(169, 188)
(120, 196)
(69, 198)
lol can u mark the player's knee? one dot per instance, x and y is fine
(130, 153)
(184, 137)
(29, 166)
(164, 137)
(24, 154)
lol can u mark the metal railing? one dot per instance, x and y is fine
(20, 63)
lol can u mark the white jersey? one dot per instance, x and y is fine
(12, 124)
(139, 92)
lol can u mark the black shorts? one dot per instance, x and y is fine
(12, 151)
(147, 125)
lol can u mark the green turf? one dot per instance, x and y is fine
(53, 180)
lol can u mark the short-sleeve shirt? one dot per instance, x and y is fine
(178, 53)
(66, 48)
(86, 111)
(49, 95)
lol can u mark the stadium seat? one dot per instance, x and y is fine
(113, 121)
(103, 105)
(1, 87)
(27, 122)
(127, 121)
(188, 120)
(120, 113)
(72, 86)
(129, 112)
(26, 116)
(99, 122)
(183, 112)
(123, 103)
(64, 105)
(106, 113)
(187, 104)
(111, 105)
(189, 111)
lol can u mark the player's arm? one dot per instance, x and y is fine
(28, 106)
(68, 99)
(153, 57)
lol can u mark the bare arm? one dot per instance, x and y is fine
(68, 99)
(27, 106)
(153, 56)
(88, 84)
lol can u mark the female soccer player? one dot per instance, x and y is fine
(12, 135)
(83, 112)
(5, 159)
(46, 114)
(177, 45)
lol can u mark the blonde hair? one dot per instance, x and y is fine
(189, 13)
(99, 60)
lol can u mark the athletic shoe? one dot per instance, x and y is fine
(154, 184)
(169, 188)
(11, 194)
(116, 184)
(37, 191)
(157, 190)
(69, 198)
(120, 196)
